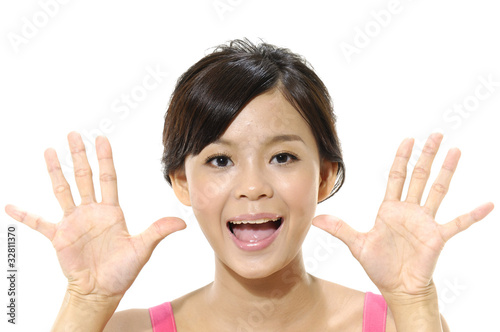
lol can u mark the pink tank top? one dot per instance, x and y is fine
(374, 315)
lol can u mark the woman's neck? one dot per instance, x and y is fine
(287, 296)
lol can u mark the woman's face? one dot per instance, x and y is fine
(254, 191)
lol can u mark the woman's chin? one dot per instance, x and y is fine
(253, 270)
(257, 267)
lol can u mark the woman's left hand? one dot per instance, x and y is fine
(400, 252)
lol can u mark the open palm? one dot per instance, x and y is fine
(400, 252)
(96, 253)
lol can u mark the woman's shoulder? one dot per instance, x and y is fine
(130, 320)
(139, 319)
(343, 305)
(348, 305)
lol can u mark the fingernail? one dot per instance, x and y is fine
(12, 210)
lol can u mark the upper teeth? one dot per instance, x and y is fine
(258, 221)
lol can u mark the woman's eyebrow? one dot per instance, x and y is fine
(269, 141)
(284, 138)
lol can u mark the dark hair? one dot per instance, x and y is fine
(210, 95)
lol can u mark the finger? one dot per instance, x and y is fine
(397, 174)
(159, 230)
(463, 222)
(60, 186)
(340, 230)
(107, 173)
(83, 173)
(442, 183)
(36, 222)
(422, 169)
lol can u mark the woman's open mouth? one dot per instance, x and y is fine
(254, 234)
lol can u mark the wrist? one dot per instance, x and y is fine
(76, 300)
(416, 311)
(85, 312)
(402, 300)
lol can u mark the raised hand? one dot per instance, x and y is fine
(97, 254)
(400, 252)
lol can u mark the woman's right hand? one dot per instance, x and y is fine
(97, 254)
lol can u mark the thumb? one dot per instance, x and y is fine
(341, 230)
(160, 229)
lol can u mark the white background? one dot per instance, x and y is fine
(70, 72)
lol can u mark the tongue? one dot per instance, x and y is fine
(253, 232)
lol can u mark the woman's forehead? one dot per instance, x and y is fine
(268, 115)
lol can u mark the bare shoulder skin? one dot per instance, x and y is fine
(130, 320)
(344, 311)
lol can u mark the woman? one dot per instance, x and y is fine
(250, 144)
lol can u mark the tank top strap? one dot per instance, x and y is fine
(162, 318)
(374, 313)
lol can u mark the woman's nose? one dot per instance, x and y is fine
(252, 183)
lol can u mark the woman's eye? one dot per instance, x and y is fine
(219, 161)
(283, 158)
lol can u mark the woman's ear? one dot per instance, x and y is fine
(180, 186)
(328, 175)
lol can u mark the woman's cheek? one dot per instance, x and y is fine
(301, 186)
(206, 191)
(302, 194)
